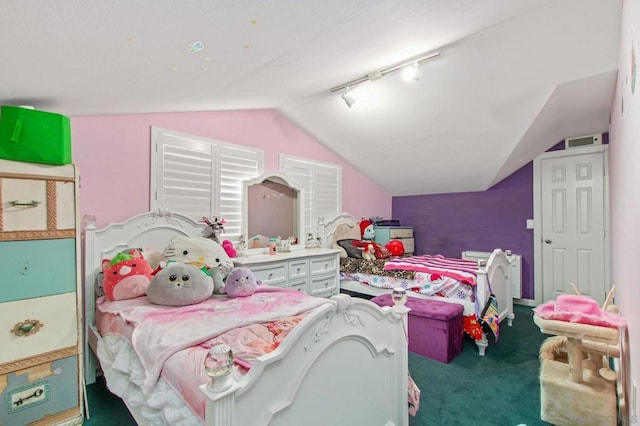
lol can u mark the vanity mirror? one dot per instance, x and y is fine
(272, 208)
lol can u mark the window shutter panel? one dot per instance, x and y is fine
(327, 184)
(184, 179)
(301, 173)
(322, 185)
(237, 164)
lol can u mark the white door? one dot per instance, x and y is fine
(572, 237)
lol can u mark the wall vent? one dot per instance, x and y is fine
(581, 141)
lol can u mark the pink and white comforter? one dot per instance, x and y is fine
(161, 331)
(463, 270)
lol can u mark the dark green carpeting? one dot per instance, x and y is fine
(501, 388)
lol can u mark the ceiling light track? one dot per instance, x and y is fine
(376, 75)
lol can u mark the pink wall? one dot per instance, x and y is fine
(113, 154)
(624, 142)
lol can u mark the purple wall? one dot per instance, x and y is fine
(449, 224)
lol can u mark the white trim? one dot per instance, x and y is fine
(537, 212)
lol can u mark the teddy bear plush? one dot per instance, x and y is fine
(241, 282)
(180, 284)
(126, 276)
(200, 251)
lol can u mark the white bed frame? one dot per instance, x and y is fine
(345, 363)
(496, 270)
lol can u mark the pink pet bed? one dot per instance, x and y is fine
(579, 309)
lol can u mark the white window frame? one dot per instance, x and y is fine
(226, 175)
(308, 174)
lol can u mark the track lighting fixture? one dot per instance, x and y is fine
(410, 72)
(346, 98)
(411, 64)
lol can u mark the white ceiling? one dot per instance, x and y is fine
(512, 78)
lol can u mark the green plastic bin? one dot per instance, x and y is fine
(34, 136)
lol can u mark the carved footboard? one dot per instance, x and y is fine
(327, 371)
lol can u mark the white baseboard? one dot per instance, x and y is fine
(525, 302)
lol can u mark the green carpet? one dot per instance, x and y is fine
(500, 388)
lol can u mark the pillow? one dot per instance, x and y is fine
(345, 231)
(200, 251)
(180, 284)
(349, 248)
(151, 255)
(126, 276)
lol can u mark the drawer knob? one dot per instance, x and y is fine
(270, 275)
(32, 203)
(27, 327)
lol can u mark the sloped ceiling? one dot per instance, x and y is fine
(512, 78)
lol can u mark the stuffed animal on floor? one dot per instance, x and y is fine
(180, 284)
(126, 276)
(241, 282)
(200, 251)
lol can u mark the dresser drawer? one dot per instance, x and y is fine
(408, 245)
(37, 268)
(323, 264)
(298, 269)
(302, 286)
(400, 233)
(37, 204)
(271, 274)
(323, 287)
(47, 389)
(55, 320)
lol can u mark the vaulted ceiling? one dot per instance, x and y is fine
(511, 78)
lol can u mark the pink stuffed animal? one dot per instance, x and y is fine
(126, 276)
(229, 248)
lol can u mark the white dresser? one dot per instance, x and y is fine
(314, 271)
(40, 297)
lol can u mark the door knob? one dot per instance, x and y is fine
(548, 241)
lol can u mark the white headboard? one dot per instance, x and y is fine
(151, 229)
(326, 229)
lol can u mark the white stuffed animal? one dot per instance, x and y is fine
(200, 251)
(368, 253)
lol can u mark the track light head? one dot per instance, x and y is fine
(410, 72)
(347, 99)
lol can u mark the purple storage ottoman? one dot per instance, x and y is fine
(435, 328)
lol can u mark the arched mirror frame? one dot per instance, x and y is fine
(299, 203)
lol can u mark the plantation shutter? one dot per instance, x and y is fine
(237, 164)
(327, 185)
(301, 173)
(322, 186)
(200, 177)
(184, 174)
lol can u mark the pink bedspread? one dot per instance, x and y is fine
(161, 331)
(463, 270)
